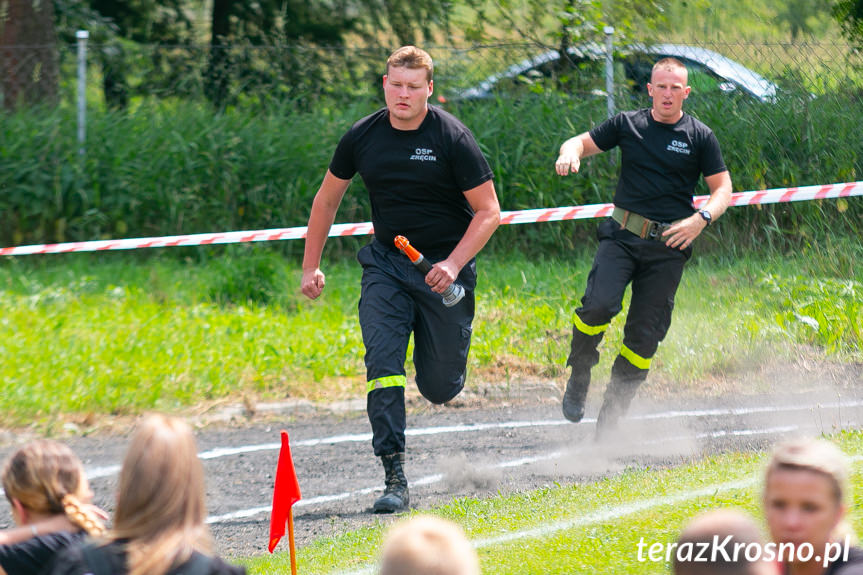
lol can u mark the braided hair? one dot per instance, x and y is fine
(47, 478)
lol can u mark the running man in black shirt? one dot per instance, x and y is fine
(428, 181)
(649, 237)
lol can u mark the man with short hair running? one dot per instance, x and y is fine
(648, 239)
(428, 181)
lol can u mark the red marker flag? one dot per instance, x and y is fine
(286, 492)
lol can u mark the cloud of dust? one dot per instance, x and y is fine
(464, 475)
(635, 441)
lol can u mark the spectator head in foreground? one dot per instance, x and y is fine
(161, 504)
(159, 520)
(711, 529)
(806, 495)
(45, 479)
(49, 497)
(427, 545)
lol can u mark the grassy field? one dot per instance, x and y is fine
(124, 333)
(583, 528)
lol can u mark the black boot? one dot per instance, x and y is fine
(576, 394)
(396, 496)
(582, 357)
(624, 383)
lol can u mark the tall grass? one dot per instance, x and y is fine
(176, 168)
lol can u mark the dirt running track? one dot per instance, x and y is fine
(453, 452)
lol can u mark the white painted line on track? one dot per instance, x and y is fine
(598, 517)
(751, 410)
(437, 478)
(591, 519)
(106, 471)
(218, 452)
(427, 480)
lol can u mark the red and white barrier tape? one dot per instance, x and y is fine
(775, 196)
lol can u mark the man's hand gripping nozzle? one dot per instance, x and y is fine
(451, 295)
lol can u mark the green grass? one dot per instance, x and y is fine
(593, 527)
(124, 333)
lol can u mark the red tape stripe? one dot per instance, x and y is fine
(365, 228)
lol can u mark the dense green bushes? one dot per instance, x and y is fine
(177, 168)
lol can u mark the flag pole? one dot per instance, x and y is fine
(286, 492)
(292, 549)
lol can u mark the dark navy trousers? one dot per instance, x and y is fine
(394, 303)
(654, 270)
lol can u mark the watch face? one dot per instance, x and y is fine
(706, 215)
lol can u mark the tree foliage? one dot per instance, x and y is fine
(802, 16)
(849, 14)
(573, 21)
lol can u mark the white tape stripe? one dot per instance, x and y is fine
(778, 195)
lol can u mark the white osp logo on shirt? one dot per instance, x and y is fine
(679, 147)
(424, 155)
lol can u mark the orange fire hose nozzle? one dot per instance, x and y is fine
(452, 294)
(407, 249)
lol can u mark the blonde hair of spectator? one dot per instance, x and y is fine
(427, 545)
(720, 523)
(47, 478)
(161, 497)
(822, 457)
(412, 58)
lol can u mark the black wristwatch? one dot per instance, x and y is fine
(705, 215)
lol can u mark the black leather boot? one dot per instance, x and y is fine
(576, 394)
(582, 357)
(396, 496)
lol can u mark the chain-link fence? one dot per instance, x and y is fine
(122, 73)
(158, 160)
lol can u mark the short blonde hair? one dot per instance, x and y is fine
(719, 523)
(670, 64)
(427, 545)
(413, 58)
(816, 455)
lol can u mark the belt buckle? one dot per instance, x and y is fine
(654, 230)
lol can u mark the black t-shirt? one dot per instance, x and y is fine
(36, 555)
(72, 562)
(660, 163)
(416, 179)
(854, 565)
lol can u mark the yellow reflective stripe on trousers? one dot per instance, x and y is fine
(587, 329)
(388, 381)
(634, 358)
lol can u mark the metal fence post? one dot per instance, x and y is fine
(609, 68)
(82, 36)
